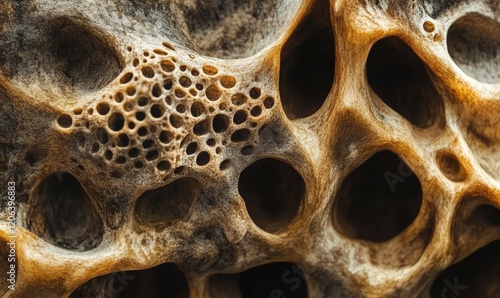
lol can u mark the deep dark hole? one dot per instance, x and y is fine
(379, 199)
(116, 121)
(488, 214)
(398, 76)
(476, 276)
(273, 191)
(240, 135)
(220, 123)
(165, 280)
(203, 158)
(64, 214)
(269, 280)
(307, 64)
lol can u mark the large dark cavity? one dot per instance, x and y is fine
(476, 276)
(401, 80)
(165, 280)
(269, 280)
(307, 64)
(64, 215)
(378, 200)
(273, 191)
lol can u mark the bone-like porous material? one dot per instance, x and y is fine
(245, 148)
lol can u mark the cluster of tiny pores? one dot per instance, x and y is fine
(162, 105)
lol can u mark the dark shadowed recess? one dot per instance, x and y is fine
(474, 45)
(307, 64)
(63, 214)
(378, 200)
(168, 203)
(476, 276)
(269, 280)
(165, 280)
(400, 79)
(66, 52)
(273, 191)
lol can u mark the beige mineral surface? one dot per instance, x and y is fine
(245, 148)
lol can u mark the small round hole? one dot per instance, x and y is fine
(123, 140)
(197, 109)
(116, 122)
(148, 72)
(102, 108)
(210, 70)
(239, 117)
(203, 158)
(142, 131)
(220, 123)
(157, 111)
(268, 102)
(191, 148)
(227, 81)
(238, 99)
(163, 166)
(143, 101)
(140, 116)
(185, 81)
(254, 93)
(240, 135)
(165, 137)
(213, 92)
(256, 111)
(65, 121)
(126, 78)
(450, 166)
(175, 121)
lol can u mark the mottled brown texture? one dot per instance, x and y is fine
(245, 148)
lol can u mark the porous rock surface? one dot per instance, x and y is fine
(239, 148)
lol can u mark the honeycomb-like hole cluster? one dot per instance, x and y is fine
(162, 105)
(269, 280)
